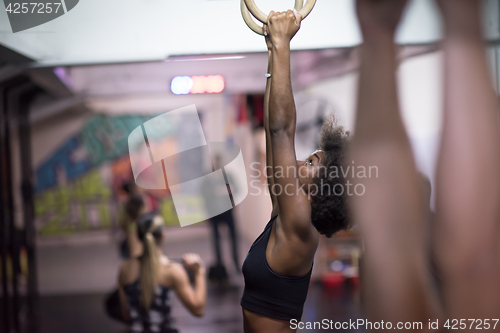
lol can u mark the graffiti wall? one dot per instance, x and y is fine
(79, 186)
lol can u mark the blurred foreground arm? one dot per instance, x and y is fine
(467, 233)
(390, 214)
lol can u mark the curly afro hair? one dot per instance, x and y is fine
(328, 209)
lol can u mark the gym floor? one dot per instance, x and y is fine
(85, 313)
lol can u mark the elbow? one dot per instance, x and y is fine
(197, 307)
(198, 311)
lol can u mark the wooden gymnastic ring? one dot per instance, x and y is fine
(259, 15)
(247, 17)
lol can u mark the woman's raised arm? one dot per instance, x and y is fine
(390, 214)
(294, 207)
(269, 148)
(468, 179)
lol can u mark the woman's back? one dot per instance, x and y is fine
(145, 282)
(157, 318)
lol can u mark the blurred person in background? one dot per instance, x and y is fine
(215, 197)
(145, 282)
(277, 269)
(392, 215)
(130, 246)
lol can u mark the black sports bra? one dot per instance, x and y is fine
(268, 293)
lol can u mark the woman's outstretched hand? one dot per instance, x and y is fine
(379, 15)
(449, 7)
(282, 26)
(192, 262)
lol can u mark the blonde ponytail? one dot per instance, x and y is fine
(150, 265)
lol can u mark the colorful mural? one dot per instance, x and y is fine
(79, 187)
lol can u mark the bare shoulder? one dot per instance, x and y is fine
(173, 273)
(176, 270)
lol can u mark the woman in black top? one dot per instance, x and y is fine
(145, 282)
(307, 198)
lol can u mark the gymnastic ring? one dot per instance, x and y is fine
(251, 23)
(259, 15)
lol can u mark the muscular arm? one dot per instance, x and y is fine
(468, 179)
(294, 207)
(194, 299)
(389, 214)
(269, 151)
